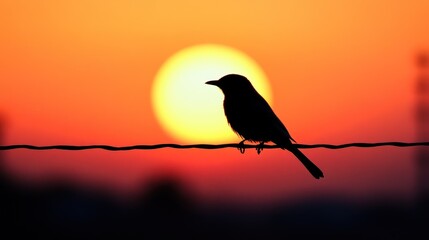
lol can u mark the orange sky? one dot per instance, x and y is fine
(80, 72)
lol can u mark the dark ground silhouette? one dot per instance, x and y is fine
(166, 210)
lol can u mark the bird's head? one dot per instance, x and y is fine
(232, 83)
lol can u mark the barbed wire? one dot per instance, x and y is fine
(207, 146)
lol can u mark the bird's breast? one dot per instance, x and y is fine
(244, 120)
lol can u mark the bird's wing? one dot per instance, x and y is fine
(268, 120)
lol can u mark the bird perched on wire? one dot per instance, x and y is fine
(251, 117)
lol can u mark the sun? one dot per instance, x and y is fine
(191, 111)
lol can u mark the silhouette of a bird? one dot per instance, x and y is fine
(252, 118)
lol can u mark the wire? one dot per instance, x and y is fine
(207, 146)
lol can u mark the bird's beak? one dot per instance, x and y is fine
(214, 82)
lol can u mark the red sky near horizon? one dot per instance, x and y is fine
(80, 72)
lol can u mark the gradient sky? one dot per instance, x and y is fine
(80, 72)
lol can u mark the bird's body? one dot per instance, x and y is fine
(251, 117)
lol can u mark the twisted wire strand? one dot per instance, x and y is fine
(207, 146)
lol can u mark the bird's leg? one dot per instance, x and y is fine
(260, 147)
(241, 146)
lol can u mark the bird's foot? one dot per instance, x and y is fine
(241, 147)
(260, 147)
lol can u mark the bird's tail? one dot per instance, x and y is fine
(311, 167)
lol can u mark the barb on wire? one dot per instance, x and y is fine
(207, 146)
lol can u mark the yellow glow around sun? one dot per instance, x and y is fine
(191, 111)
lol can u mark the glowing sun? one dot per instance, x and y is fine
(191, 111)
